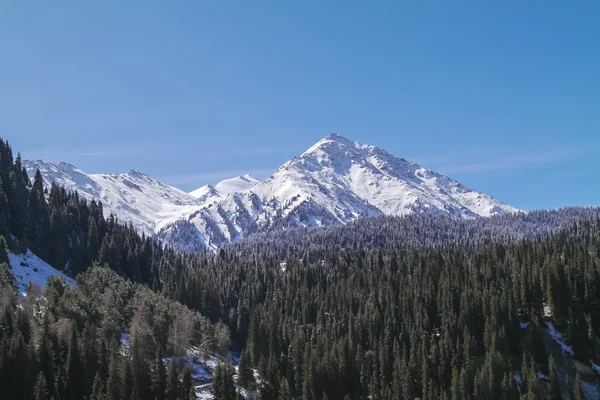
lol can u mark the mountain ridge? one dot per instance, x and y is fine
(333, 182)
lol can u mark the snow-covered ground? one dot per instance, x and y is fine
(30, 268)
(203, 369)
(558, 338)
(590, 389)
(596, 367)
(227, 186)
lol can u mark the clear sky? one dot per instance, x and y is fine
(503, 96)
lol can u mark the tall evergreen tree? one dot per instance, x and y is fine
(75, 371)
(187, 385)
(41, 390)
(97, 388)
(113, 383)
(172, 388)
(3, 251)
(245, 373)
(223, 387)
(284, 390)
(554, 390)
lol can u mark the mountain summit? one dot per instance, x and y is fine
(334, 182)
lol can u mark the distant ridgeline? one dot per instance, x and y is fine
(382, 308)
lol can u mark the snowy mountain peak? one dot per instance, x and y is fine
(364, 174)
(334, 182)
(237, 184)
(331, 143)
(137, 174)
(206, 192)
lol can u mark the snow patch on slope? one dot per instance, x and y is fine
(558, 338)
(237, 184)
(30, 268)
(225, 187)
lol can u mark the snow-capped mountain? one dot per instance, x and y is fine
(334, 182)
(225, 187)
(132, 197)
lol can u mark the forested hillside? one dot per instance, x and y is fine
(417, 307)
(428, 323)
(105, 337)
(414, 231)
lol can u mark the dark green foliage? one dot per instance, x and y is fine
(7, 278)
(575, 390)
(41, 389)
(113, 384)
(76, 341)
(172, 389)
(555, 392)
(223, 387)
(159, 380)
(285, 393)
(245, 373)
(405, 323)
(98, 388)
(75, 371)
(187, 385)
(3, 251)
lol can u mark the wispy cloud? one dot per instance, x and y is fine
(246, 152)
(505, 158)
(498, 164)
(122, 150)
(114, 150)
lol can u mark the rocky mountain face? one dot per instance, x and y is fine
(334, 182)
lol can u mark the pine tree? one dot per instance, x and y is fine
(187, 384)
(126, 379)
(284, 390)
(46, 356)
(537, 346)
(159, 379)
(223, 387)
(3, 251)
(61, 385)
(7, 278)
(113, 384)
(41, 390)
(97, 388)
(75, 377)
(172, 389)
(245, 373)
(509, 389)
(93, 246)
(39, 217)
(18, 201)
(577, 391)
(555, 391)
(4, 215)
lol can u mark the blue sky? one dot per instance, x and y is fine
(503, 96)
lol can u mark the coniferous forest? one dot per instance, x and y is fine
(383, 308)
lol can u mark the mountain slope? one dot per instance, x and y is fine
(29, 268)
(334, 182)
(225, 187)
(133, 197)
(343, 169)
